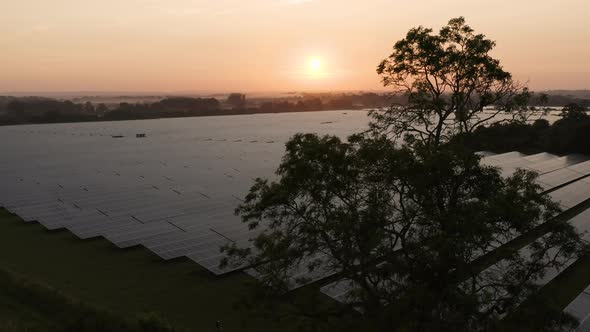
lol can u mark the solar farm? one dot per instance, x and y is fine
(172, 185)
(173, 191)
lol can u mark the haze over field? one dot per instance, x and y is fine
(267, 45)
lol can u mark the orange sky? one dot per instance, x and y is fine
(268, 45)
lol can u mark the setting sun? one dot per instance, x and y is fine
(315, 66)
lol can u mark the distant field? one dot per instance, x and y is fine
(123, 281)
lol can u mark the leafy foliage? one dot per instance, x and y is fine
(450, 80)
(569, 134)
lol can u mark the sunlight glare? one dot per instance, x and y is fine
(315, 66)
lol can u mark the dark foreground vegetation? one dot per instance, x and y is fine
(34, 307)
(570, 134)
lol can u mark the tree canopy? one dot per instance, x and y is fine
(450, 80)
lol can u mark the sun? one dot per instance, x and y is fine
(315, 66)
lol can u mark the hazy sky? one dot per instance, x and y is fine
(268, 45)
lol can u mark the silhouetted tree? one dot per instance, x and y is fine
(314, 104)
(450, 79)
(266, 107)
(101, 108)
(237, 101)
(88, 108)
(574, 112)
(15, 108)
(405, 228)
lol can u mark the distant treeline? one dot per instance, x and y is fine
(570, 134)
(23, 110)
(45, 110)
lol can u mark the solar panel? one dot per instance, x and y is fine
(300, 274)
(579, 308)
(485, 153)
(98, 227)
(572, 194)
(539, 157)
(504, 158)
(583, 168)
(130, 235)
(557, 178)
(339, 290)
(557, 163)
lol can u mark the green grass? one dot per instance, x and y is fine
(127, 282)
(32, 307)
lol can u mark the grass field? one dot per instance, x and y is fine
(123, 281)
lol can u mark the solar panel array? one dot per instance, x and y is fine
(173, 191)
